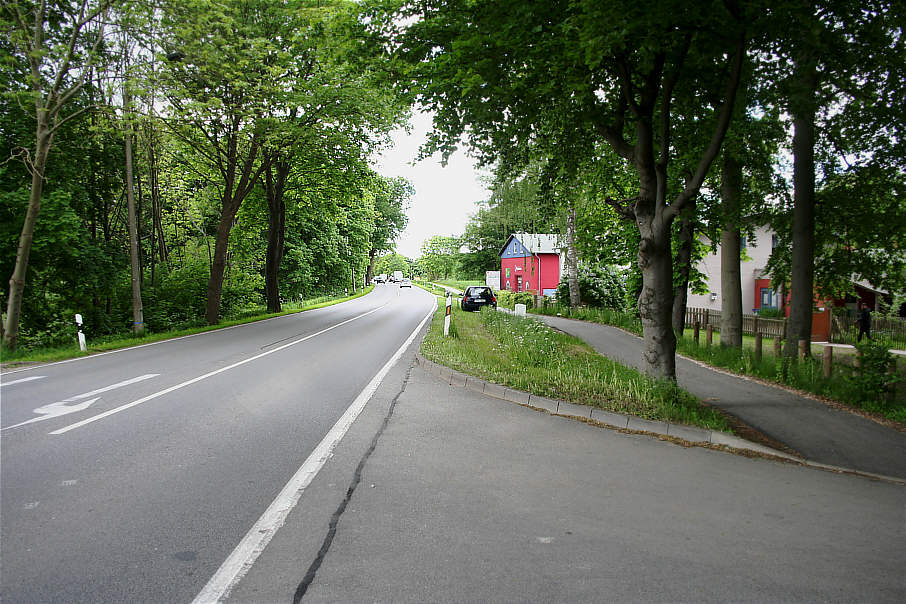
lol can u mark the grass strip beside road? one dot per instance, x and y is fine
(526, 355)
(109, 343)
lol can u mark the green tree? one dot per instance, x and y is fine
(846, 59)
(439, 256)
(337, 102)
(568, 75)
(223, 83)
(61, 45)
(391, 200)
(388, 263)
(514, 206)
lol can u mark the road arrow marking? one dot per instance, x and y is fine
(195, 380)
(66, 407)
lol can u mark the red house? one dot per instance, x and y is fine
(531, 263)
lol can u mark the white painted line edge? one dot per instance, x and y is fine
(54, 410)
(206, 375)
(28, 379)
(252, 545)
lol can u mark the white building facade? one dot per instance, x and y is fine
(756, 285)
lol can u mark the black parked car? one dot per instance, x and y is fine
(477, 296)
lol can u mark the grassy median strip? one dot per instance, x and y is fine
(527, 355)
(116, 342)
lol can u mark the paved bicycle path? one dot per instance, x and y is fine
(819, 432)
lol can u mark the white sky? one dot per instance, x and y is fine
(444, 196)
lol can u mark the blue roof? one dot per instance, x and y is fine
(522, 245)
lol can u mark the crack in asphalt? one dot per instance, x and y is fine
(356, 479)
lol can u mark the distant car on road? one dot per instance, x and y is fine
(477, 296)
(406, 283)
(382, 278)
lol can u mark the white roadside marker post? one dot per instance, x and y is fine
(82, 346)
(447, 314)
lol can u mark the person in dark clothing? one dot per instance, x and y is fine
(864, 323)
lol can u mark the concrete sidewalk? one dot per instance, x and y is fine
(819, 432)
(466, 498)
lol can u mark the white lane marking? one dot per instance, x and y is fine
(252, 545)
(150, 397)
(28, 379)
(65, 407)
(191, 335)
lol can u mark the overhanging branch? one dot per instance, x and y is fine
(720, 131)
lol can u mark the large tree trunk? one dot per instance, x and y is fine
(730, 243)
(138, 319)
(218, 267)
(233, 195)
(43, 140)
(656, 300)
(572, 258)
(686, 239)
(276, 233)
(802, 272)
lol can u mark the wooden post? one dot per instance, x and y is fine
(828, 361)
(778, 345)
(858, 360)
(803, 349)
(696, 327)
(709, 334)
(758, 345)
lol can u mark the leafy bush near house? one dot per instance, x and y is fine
(508, 299)
(600, 286)
(874, 378)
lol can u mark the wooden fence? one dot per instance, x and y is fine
(751, 324)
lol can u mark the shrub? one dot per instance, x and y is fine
(508, 299)
(874, 378)
(600, 286)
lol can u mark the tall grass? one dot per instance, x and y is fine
(526, 355)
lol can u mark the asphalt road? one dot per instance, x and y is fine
(146, 467)
(467, 498)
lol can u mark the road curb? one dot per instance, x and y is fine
(623, 422)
